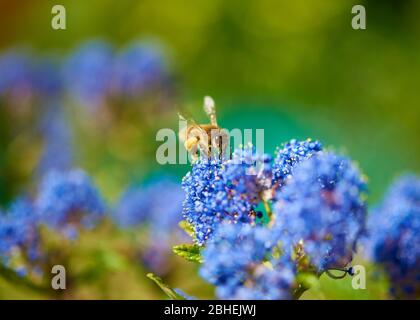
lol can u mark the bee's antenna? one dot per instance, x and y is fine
(210, 109)
(181, 117)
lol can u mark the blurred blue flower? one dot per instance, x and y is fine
(132, 208)
(88, 73)
(166, 213)
(68, 201)
(292, 153)
(48, 78)
(394, 236)
(57, 140)
(157, 204)
(322, 208)
(17, 75)
(235, 261)
(18, 231)
(138, 68)
(166, 209)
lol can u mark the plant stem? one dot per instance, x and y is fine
(299, 291)
(267, 209)
(13, 277)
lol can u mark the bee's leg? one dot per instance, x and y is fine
(194, 157)
(220, 143)
(194, 153)
(205, 148)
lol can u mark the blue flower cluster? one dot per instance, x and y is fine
(16, 81)
(322, 209)
(91, 74)
(138, 205)
(132, 208)
(200, 187)
(225, 190)
(32, 88)
(18, 232)
(25, 78)
(58, 141)
(94, 72)
(239, 261)
(47, 78)
(138, 68)
(68, 201)
(87, 72)
(165, 215)
(158, 205)
(317, 217)
(394, 236)
(245, 178)
(292, 153)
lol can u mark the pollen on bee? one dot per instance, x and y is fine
(190, 143)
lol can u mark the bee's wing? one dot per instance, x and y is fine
(188, 118)
(181, 117)
(210, 109)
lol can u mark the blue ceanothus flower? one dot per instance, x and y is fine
(239, 261)
(18, 231)
(164, 225)
(132, 208)
(158, 204)
(321, 211)
(57, 140)
(394, 236)
(88, 73)
(47, 78)
(68, 201)
(225, 190)
(137, 69)
(292, 153)
(17, 75)
(199, 185)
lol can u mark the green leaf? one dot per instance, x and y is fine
(165, 288)
(11, 276)
(188, 228)
(189, 252)
(306, 281)
(109, 260)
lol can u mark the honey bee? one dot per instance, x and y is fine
(204, 139)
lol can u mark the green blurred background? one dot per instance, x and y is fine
(294, 68)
